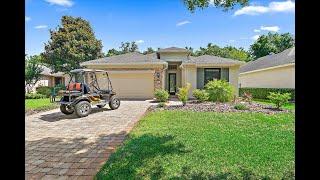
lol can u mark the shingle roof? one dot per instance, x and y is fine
(285, 57)
(208, 59)
(133, 57)
(173, 49)
(47, 71)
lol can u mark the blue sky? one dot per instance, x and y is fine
(159, 23)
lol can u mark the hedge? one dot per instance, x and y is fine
(262, 93)
(44, 90)
(34, 96)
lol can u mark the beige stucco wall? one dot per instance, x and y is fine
(281, 77)
(234, 78)
(189, 75)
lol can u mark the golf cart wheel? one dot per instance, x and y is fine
(65, 110)
(114, 103)
(101, 106)
(83, 108)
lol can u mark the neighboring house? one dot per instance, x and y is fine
(49, 79)
(272, 71)
(134, 75)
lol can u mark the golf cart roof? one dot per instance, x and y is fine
(86, 70)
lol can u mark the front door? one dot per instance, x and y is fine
(172, 83)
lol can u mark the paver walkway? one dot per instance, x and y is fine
(65, 147)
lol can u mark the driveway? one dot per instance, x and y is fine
(65, 147)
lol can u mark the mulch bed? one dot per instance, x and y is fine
(221, 107)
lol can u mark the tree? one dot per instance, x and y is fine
(113, 52)
(192, 5)
(127, 47)
(70, 44)
(271, 43)
(148, 51)
(32, 71)
(226, 52)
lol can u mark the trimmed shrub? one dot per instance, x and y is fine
(161, 95)
(183, 93)
(263, 93)
(240, 107)
(200, 95)
(279, 99)
(34, 96)
(44, 90)
(219, 90)
(162, 104)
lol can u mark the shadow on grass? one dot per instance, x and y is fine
(245, 174)
(137, 153)
(57, 116)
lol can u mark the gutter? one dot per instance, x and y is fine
(121, 64)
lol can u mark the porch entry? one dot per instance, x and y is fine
(172, 83)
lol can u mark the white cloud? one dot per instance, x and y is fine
(139, 41)
(256, 30)
(41, 27)
(232, 41)
(255, 37)
(27, 18)
(270, 28)
(182, 23)
(284, 6)
(65, 3)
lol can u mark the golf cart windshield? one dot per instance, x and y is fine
(95, 79)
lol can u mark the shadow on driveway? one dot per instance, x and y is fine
(57, 116)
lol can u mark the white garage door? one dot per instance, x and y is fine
(133, 84)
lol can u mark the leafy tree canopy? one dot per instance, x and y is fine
(192, 5)
(33, 70)
(226, 52)
(125, 47)
(149, 51)
(271, 43)
(70, 44)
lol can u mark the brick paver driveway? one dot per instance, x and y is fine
(65, 147)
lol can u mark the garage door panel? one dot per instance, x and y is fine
(132, 85)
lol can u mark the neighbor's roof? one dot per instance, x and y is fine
(128, 58)
(208, 59)
(173, 49)
(47, 71)
(285, 57)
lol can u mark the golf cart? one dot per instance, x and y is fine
(83, 90)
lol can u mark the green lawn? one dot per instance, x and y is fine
(39, 104)
(289, 106)
(206, 145)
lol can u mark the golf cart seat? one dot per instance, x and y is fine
(105, 91)
(78, 87)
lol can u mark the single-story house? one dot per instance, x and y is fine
(135, 75)
(272, 71)
(49, 79)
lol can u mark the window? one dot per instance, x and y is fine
(211, 74)
(172, 67)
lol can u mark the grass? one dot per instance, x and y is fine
(39, 104)
(289, 106)
(206, 145)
